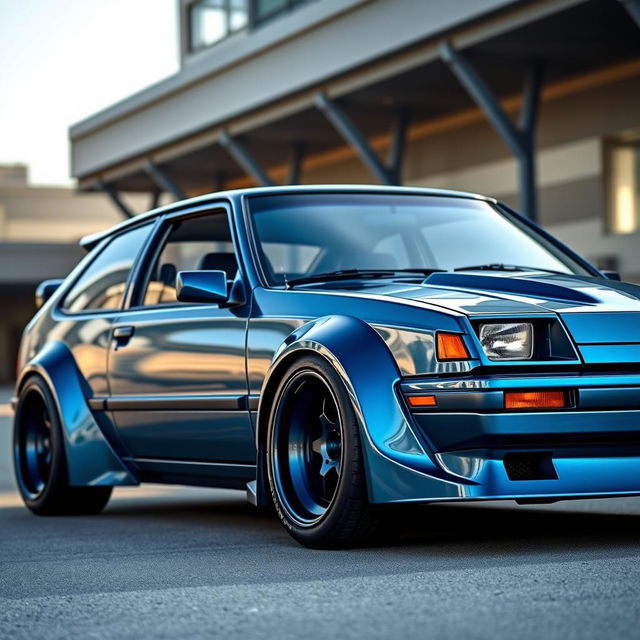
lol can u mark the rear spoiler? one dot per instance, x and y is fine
(93, 239)
(90, 241)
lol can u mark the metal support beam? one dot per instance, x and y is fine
(355, 139)
(527, 125)
(483, 97)
(245, 160)
(114, 196)
(295, 163)
(519, 138)
(530, 102)
(155, 198)
(163, 181)
(398, 143)
(633, 7)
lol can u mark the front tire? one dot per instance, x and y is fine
(314, 459)
(40, 462)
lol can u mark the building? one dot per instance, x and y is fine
(422, 92)
(535, 102)
(39, 231)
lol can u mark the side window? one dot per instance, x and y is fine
(102, 284)
(192, 244)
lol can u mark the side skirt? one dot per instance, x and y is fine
(222, 475)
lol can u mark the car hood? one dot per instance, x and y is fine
(482, 292)
(602, 316)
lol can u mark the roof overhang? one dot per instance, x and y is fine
(261, 88)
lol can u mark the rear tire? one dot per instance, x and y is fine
(40, 461)
(314, 459)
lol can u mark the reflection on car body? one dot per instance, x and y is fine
(330, 350)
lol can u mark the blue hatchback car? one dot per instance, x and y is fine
(330, 350)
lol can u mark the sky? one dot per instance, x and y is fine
(63, 60)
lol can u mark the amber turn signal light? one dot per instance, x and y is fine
(422, 401)
(535, 400)
(450, 346)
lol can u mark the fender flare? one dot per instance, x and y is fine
(91, 461)
(370, 374)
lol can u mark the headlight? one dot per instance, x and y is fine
(508, 341)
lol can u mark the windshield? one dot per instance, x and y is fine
(301, 235)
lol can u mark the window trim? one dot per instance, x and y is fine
(157, 242)
(59, 308)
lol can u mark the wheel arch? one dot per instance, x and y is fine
(370, 374)
(91, 461)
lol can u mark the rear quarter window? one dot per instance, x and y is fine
(102, 284)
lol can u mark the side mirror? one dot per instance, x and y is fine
(611, 275)
(201, 286)
(45, 290)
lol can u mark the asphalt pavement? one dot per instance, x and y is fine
(172, 562)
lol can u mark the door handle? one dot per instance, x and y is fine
(122, 334)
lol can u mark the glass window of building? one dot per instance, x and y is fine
(624, 188)
(238, 15)
(213, 20)
(265, 9)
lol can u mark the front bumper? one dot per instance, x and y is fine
(590, 449)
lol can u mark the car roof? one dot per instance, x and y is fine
(90, 241)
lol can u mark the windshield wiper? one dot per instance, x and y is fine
(348, 274)
(498, 266)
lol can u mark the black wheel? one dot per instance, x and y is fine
(39, 458)
(314, 459)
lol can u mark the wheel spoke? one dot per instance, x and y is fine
(329, 484)
(328, 464)
(325, 422)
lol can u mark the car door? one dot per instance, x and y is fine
(178, 388)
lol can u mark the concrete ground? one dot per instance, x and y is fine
(167, 562)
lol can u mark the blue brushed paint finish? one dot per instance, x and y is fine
(219, 436)
(183, 352)
(380, 335)
(609, 328)
(520, 286)
(274, 319)
(610, 353)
